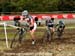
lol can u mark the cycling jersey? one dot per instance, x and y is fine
(29, 18)
(61, 25)
(49, 23)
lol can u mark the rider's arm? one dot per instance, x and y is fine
(64, 26)
(21, 20)
(56, 25)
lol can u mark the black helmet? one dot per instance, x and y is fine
(61, 22)
(52, 19)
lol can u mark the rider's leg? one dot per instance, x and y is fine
(32, 31)
(33, 36)
(51, 32)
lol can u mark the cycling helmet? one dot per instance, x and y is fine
(60, 22)
(25, 13)
(52, 18)
(48, 18)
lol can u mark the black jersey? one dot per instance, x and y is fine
(49, 23)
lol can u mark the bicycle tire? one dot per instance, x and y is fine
(19, 36)
(47, 36)
(13, 40)
(59, 33)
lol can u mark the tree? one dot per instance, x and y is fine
(37, 5)
(66, 5)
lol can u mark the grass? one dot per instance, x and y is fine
(67, 25)
(10, 35)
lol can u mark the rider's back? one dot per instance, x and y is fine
(49, 23)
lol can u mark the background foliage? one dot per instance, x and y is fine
(37, 5)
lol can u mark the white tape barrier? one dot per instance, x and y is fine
(4, 24)
(13, 26)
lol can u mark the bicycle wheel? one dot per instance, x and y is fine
(13, 42)
(59, 32)
(18, 37)
(44, 37)
(47, 36)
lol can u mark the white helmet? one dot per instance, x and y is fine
(25, 13)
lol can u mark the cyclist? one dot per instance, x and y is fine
(61, 25)
(60, 28)
(32, 24)
(18, 24)
(50, 26)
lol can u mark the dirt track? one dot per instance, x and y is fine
(62, 47)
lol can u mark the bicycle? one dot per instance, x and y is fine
(47, 35)
(18, 35)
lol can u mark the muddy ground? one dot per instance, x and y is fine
(57, 47)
